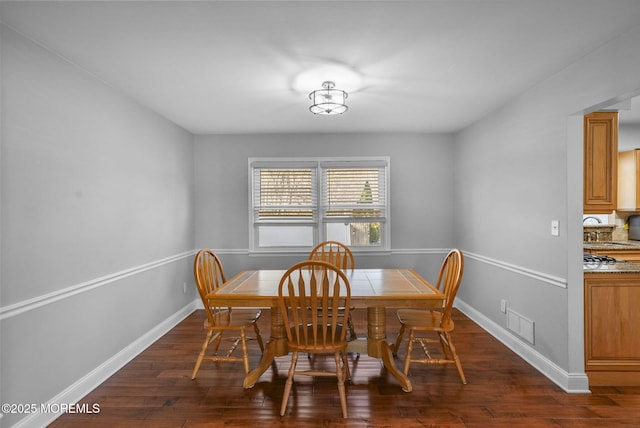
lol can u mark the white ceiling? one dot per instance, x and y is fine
(231, 66)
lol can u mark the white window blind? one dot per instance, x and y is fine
(295, 204)
(352, 192)
(284, 194)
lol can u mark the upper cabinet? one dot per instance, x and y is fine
(600, 162)
(629, 180)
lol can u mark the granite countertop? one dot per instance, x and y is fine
(612, 245)
(619, 267)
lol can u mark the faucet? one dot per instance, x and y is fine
(589, 217)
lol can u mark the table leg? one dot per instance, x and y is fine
(377, 345)
(276, 346)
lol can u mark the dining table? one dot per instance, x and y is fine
(373, 289)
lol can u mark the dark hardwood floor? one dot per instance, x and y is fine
(156, 390)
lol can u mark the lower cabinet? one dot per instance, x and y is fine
(612, 328)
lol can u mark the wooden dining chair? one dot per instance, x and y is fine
(341, 256)
(209, 275)
(422, 323)
(333, 252)
(309, 295)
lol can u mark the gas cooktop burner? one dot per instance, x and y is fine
(594, 258)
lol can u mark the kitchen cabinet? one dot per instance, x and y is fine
(600, 162)
(629, 180)
(612, 337)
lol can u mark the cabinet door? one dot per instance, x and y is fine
(612, 339)
(629, 180)
(600, 162)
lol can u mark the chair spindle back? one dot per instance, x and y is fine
(209, 275)
(310, 294)
(335, 253)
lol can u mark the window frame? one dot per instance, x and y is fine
(318, 222)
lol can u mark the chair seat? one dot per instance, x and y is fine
(420, 319)
(239, 317)
(351, 332)
(317, 347)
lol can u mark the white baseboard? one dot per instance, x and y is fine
(75, 392)
(569, 382)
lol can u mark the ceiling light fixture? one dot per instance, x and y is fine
(328, 101)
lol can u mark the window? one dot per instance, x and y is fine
(298, 203)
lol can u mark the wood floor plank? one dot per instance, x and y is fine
(156, 390)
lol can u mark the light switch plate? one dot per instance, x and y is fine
(555, 228)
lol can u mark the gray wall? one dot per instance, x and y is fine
(100, 210)
(421, 181)
(97, 222)
(629, 137)
(516, 170)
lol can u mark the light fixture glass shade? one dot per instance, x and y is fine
(328, 100)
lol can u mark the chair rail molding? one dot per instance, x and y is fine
(394, 251)
(540, 276)
(46, 299)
